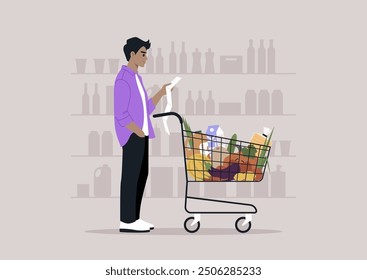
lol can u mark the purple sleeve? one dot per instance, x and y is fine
(121, 102)
(151, 106)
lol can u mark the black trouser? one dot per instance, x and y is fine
(133, 178)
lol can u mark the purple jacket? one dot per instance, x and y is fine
(128, 105)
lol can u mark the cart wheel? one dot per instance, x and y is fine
(189, 228)
(241, 228)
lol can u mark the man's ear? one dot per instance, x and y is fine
(132, 54)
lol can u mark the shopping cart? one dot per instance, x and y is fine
(211, 158)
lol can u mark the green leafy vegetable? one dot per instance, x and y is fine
(249, 151)
(232, 144)
(207, 165)
(188, 133)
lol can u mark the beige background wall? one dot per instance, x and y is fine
(322, 42)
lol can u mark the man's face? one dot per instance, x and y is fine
(139, 58)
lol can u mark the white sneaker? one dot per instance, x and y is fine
(151, 226)
(137, 226)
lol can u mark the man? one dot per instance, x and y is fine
(134, 128)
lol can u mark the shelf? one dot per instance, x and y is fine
(176, 197)
(242, 115)
(91, 115)
(215, 115)
(163, 156)
(188, 74)
(87, 156)
(278, 156)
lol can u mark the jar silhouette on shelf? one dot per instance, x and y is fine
(251, 58)
(107, 143)
(264, 102)
(285, 146)
(85, 101)
(183, 59)
(93, 144)
(261, 58)
(210, 105)
(114, 65)
(96, 101)
(199, 105)
(189, 105)
(172, 60)
(250, 102)
(271, 58)
(159, 62)
(102, 181)
(81, 64)
(277, 102)
(99, 65)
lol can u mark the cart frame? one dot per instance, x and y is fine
(241, 226)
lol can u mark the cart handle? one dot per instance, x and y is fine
(168, 114)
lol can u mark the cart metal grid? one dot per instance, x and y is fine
(210, 158)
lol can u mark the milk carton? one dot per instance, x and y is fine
(214, 133)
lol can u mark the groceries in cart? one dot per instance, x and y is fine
(212, 157)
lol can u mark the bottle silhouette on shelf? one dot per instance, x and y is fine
(85, 101)
(271, 58)
(102, 181)
(199, 104)
(196, 64)
(96, 101)
(175, 100)
(159, 62)
(264, 102)
(109, 100)
(277, 102)
(261, 58)
(93, 144)
(183, 59)
(209, 62)
(150, 62)
(172, 60)
(251, 58)
(250, 102)
(107, 143)
(189, 105)
(210, 104)
(278, 183)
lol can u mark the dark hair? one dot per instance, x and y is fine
(133, 45)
